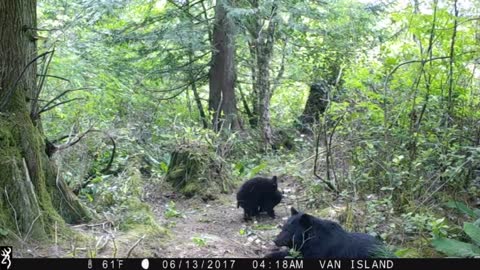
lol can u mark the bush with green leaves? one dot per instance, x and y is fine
(457, 248)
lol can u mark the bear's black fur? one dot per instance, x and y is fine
(318, 238)
(269, 202)
(257, 195)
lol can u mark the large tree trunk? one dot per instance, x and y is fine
(31, 193)
(222, 73)
(316, 105)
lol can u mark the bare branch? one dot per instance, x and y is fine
(44, 109)
(53, 76)
(61, 95)
(10, 91)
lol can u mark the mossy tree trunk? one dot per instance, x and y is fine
(32, 196)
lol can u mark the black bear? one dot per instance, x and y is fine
(258, 194)
(318, 238)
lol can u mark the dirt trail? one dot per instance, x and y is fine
(216, 228)
(213, 229)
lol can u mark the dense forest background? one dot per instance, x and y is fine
(126, 126)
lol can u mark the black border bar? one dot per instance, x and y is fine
(241, 264)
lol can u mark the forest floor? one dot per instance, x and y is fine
(216, 228)
(192, 229)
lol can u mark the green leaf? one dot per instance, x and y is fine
(472, 231)
(477, 222)
(3, 232)
(240, 167)
(462, 207)
(257, 169)
(164, 167)
(455, 248)
(199, 241)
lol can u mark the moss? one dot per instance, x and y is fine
(137, 213)
(28, 182)
(120, 196)
(195, 169)
(191, 188)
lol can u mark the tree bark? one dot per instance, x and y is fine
(222, 99)
(264, 54)
(316, 105)
(31, 193)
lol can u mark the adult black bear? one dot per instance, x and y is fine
(318, 238)
(257, 195)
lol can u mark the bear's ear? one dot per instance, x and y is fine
(306, 220)
(293, 211)
(274, 179)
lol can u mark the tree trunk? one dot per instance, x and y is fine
(222, 72)
(196, 96)
(264, 53)
(253, 119)
(316, 105)
(191, 73)
(263, 84)
(31, 193)
(451, 86)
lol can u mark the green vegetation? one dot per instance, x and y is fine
(456, 248)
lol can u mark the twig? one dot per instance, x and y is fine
(44, 109)
(134, 245)
(29, 180)
(430, 194)
(53, 76)
(329, 185)
(46, 65)
(114, 246)
(14, 212)
(31, 227)
(32, 189)
(62, 94)
(10, 91)
(99, 247)
(92, 225)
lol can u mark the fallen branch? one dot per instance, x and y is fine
(134, 245)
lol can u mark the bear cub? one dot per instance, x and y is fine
(258, 194)
(319, 238)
